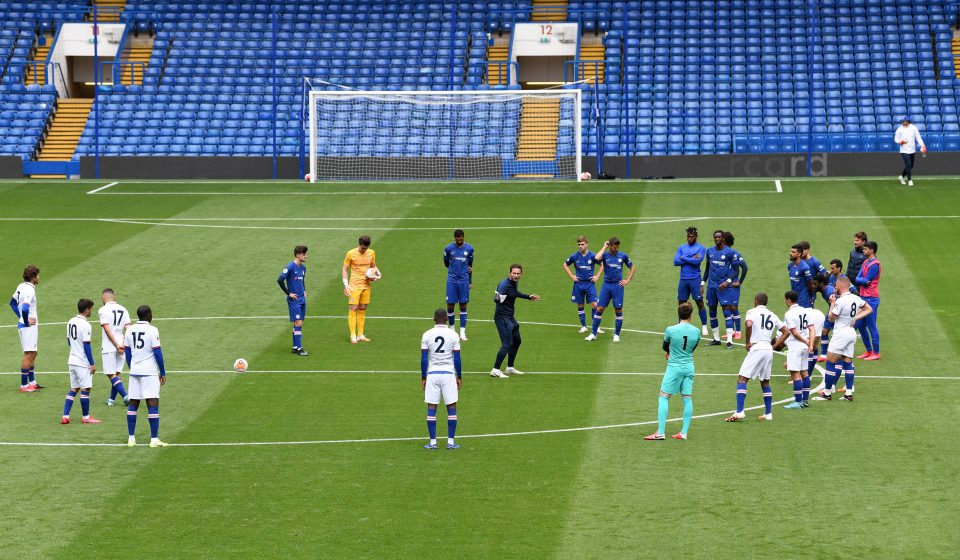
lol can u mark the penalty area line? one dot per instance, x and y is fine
(778, 185)
(103, 188)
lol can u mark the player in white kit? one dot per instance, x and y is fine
(441, 376)
(24, 305)
(800, 344)
(114, 318)
(846, 311)
(147, 373)
(761, 326)
(80, 363)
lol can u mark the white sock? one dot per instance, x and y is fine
(433, 442)
(729, 337)
(449, 441)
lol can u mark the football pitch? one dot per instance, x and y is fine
(322, 456)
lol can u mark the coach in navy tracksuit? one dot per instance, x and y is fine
(507, 326)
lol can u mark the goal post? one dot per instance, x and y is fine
(445, 135)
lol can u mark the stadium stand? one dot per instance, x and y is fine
(678, 76)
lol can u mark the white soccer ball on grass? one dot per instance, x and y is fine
(585, 176)
(240, 365)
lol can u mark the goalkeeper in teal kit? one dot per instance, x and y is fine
(679, 342)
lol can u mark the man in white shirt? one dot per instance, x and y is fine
(441, 374)
(800, 343)
(113, 319)
(24, 305)
(846, 311)
(907, 137)
(761, 325)
(141, 345)
(80, 363)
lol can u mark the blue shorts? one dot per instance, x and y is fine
(611, 291)
(716, 295)
(297, 309)
(733, 295)
(458, 292)
(827, 324)
(689, 288)
(584, 292)
(677, 380)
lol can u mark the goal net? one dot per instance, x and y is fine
(444, 135)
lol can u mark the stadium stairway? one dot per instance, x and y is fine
(66, 126)
(955, 47)
(498, 52)
(139, 52)
(537, 139)
(591, 50)
(111, 9)
(549, 10)
(37, 73)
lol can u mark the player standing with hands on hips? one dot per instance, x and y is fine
(507, 326)
(907, 136)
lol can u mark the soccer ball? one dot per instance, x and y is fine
(585, 176)
(240, 365)
(306, 177)
(373, 273)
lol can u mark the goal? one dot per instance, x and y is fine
(444, 135)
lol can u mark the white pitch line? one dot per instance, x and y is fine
(778, 185)
(477, 219)
(392, 439)
(425, 193)
(103, 188)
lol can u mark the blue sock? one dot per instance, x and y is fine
(30, 376)
(713, 319)
(451, 422)
(736, 321)
(663, 407)
(798, 390)
(463, 319)
(767, 399)
(687, 414)
(848, 376)
(728, 319)
(824, 342)
(811, 362)
(741, 396)
(597, 315)
(24, 377)
(450, 318)
(297, 337)
(582, 315)
(830, 380)
(432, 422)
(131, 420)
(68, 402)
(153, 416)
(117, 388)
(806, 388)
(85, 402)
(703, 316)
(618, 323)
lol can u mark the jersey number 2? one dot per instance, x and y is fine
(440, 342)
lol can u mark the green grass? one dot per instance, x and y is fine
(876, 478)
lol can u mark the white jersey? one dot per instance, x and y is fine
(26, 294)
(78, 333)
(440, 342)
(846, 308)
(765, 324)
(818, 319)
(799, 318)
(116, 318)
(142, 338)
(911, 135)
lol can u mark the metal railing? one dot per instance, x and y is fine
(581, 71)
(511, 67)
(119, 65)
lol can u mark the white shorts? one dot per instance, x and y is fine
(113, 362)
(80, 377)
(797, 359)
(843, 342)
(757, 364)
(144, 387)
(440, 384)
(28, 338)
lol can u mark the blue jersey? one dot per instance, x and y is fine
(738, 266)
(583, 265)
(688, 258)
(458, 260)
(613, 266)
(293, 275)
(719, 266)
(816, 268)
(832, 280)
(800, 277)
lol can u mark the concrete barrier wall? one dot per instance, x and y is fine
(11, 167)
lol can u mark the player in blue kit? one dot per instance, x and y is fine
(584, 280)
(292, 283)
(739, 268)
(827, 286)
(718, 277)
(801, 279)
(688, 257)
(458, 258)
(613, 262)
(816, 268)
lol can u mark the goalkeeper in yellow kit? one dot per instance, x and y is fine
(357, 286)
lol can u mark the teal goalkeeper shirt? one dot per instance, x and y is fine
(682, 339)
